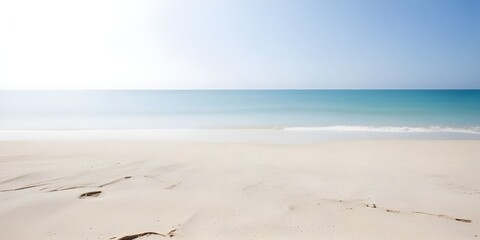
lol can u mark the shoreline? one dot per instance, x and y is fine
(261, 136)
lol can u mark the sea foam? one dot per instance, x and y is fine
(428, 129)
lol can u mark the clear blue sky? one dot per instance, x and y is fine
(240, 44)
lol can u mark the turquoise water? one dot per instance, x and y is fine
(342, 110)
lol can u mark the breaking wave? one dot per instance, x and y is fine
(428, 129)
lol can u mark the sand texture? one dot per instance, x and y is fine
(406, 189)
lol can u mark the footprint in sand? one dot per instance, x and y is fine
(90, 194)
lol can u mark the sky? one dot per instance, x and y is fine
(239, 44)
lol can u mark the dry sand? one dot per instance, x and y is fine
(333, 190)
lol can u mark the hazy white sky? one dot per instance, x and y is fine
(162, 44)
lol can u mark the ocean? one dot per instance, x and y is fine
(455, 111)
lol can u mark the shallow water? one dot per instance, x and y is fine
(296, 110)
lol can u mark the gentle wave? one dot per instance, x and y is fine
(429, 129)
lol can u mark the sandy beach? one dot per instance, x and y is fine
(240, 120)
(404, 189)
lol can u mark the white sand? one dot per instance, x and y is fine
(241, 191)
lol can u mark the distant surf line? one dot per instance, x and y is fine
(392, 129)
